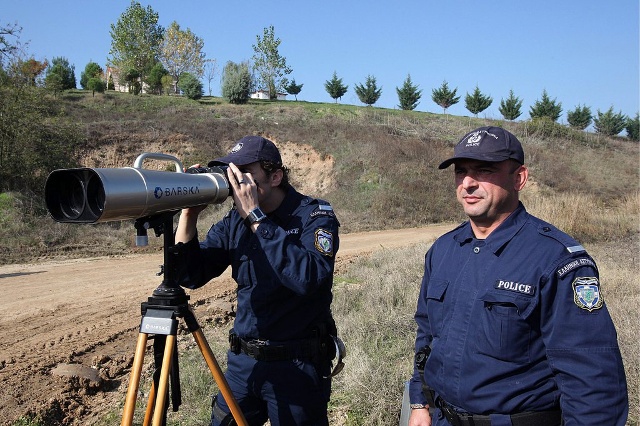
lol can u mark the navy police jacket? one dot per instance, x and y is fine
(517, 322)
(284, 271)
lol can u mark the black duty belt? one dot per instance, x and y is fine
(527, 418)
(262, 350)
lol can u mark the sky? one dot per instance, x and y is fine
(582, 52)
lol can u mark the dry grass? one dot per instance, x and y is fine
(374, 306)
(585, 217)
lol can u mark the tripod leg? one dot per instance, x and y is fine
(159, 413)
(150, 404)
(134, 381)
(218, 376)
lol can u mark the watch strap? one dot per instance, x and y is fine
(256, 215)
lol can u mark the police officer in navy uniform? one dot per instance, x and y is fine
(512, 325)
(281, 246)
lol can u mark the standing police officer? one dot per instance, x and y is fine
(281, 246)
(511, 310)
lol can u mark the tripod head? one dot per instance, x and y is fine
(169, 293)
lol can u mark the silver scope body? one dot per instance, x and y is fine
(86, 195)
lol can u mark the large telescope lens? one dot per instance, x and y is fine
(100, 195)
(65, 195)
(95, 196)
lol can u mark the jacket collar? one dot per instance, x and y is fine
(501, 235)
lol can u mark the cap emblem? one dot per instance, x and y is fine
(236, 148)
(475, 137)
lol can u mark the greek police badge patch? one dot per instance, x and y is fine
(324, 242)
(586, 293)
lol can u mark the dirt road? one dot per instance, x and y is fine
(69, 328)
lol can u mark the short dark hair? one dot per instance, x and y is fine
(269, 167)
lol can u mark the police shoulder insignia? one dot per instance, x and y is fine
(586, 293)
(323, 210)
(574, 264)
(324, 242)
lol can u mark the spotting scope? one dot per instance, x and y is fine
(86, 195)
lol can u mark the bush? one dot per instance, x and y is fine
(236, 82)
(190, 86)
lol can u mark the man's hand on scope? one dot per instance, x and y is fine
(245, 190)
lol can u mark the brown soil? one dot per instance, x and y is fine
(70, 327)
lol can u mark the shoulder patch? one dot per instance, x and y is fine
(323, 210)
(575, 263)
(586, 293)
(324, 242)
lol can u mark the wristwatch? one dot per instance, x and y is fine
(256, 215)
(418, 406)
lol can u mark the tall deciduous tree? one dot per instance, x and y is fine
(368, 93)
(269, 64)
(546, 107)
(181, 52)
(609, 123)
(293, 88)
(136, 40)
(236, 82)
(335, 88)
(210, 71)
(409, 95)
(445, 97)
(510, 108)
(477, 101)
(580, 117)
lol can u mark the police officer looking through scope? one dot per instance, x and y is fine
(511, 310)
(281, 246)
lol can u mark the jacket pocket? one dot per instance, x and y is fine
(435, 305)
(504, 331)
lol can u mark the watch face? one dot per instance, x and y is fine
(256, 215)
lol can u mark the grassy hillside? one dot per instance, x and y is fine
(384, 165)
(384, 175)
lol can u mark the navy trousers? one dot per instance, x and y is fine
(287, 393)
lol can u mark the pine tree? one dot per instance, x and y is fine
(580, 117)
(293, 88)
(633, 128)
(610, 123)
(369, 93)
(335, 88)
(511, 107)
(408, 95)
(546, 107)
(445, 97)
(477, 102)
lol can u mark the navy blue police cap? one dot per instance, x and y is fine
(492, 144)
(248, 150)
